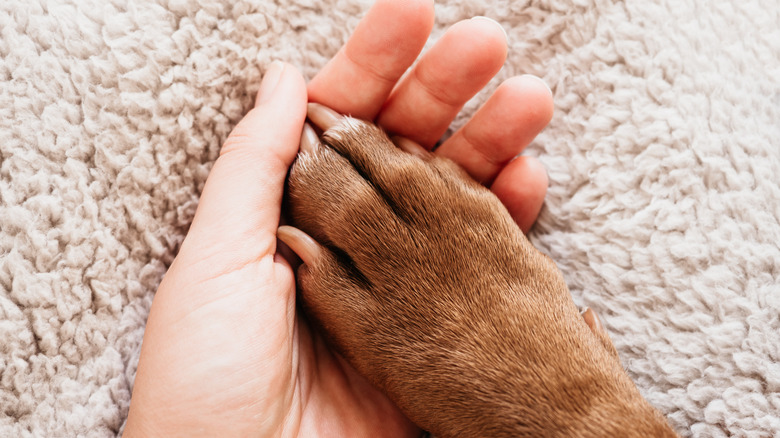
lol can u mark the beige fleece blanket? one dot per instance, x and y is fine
(663, 210)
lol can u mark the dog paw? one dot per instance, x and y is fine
(419, 276)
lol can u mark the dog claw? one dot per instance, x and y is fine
(592, 320)
(309, 139)
(301, 243)
(410, 146)
(323, 117)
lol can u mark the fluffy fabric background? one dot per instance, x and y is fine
(663, 210)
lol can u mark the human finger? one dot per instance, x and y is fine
(240, 205)
(521, 186)
(385, 43)
(511, 118)
(460, 64)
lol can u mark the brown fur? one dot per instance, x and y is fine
(430, 290)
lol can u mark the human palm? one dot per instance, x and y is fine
(225, 350)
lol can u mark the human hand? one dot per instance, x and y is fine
(225, 352)
(362, 80)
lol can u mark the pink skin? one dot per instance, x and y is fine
(426, 99)
(225, 352)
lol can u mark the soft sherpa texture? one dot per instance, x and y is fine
(663, 210)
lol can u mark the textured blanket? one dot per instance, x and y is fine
(663, 210)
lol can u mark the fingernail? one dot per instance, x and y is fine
(270, 80)
(480, 17)
(538, 79)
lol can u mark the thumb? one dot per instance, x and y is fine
(239, 208)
